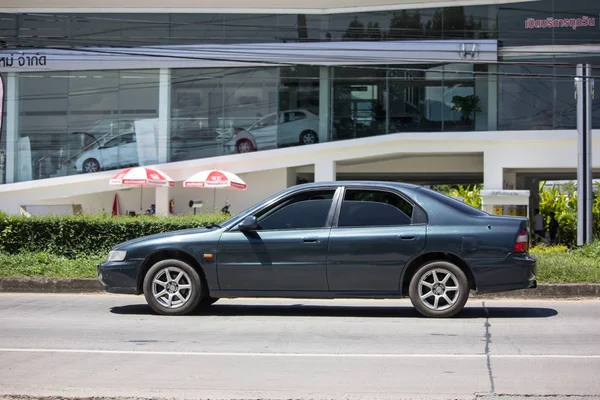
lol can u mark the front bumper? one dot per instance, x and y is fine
(121, 276)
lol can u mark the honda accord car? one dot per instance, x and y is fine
(332, 240)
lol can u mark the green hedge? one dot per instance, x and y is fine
(84, 235)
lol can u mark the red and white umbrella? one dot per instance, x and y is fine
(215, 179)
(142, 176)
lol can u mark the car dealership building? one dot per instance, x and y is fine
(450, 91)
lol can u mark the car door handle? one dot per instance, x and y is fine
(407, 237)
(310, 240)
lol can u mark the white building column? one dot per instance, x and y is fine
(12, 126)
(324, 103)
(325, 171)
(493, 173)
(162, 200)
(164, 116)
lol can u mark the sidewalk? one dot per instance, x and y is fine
(53, 285)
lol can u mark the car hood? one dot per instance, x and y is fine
(165, 236)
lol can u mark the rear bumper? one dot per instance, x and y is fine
(514, 272)
(120, 277)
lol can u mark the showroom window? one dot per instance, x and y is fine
(66, 120)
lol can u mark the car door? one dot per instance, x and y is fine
(288, 251)
(373, 237)
(128, 154)
(265, 132)
(109, 153)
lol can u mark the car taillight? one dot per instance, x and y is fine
(522, 243)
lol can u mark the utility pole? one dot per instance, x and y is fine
(584, 92)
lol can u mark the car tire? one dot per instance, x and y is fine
(163, 287)
(90, 165)
(439, 289)
(309, 137)
(244, 146)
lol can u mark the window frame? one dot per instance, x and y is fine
(390, 191)
(273, 204)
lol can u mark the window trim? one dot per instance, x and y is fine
(379, 189)
(335, 200)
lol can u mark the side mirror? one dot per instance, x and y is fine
(249, 224)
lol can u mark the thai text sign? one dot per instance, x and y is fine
(574, 23)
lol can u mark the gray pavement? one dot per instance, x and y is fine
(113, 346)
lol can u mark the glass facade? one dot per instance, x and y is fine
(65, 122)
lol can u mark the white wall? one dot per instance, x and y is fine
(260, 186)
(267, 171)
(407, 163)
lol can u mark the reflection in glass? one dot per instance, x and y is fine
(239, 110)
(85, 121)
(526, 97)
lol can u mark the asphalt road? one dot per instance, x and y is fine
(113, 346)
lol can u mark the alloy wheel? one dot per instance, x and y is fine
(439, 289)
(172, 287)
(309, 138)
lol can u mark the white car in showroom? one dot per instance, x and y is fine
(285, 128)
(120, 151)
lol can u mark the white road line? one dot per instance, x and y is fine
(324, 355)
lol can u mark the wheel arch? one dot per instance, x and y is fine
(165, 254)
(424, 258)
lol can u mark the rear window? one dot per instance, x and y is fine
(456, 204)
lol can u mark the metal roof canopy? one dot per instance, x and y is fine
(233, 6)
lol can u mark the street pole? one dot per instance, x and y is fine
(584, 87)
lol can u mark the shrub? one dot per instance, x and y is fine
(541, 249)
(73, 236)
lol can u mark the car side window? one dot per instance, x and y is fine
(298, 115)
(129, 138)
(113, 142)
(307, 210)
(363, 208)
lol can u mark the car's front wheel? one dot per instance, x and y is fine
(90, 165)
(439, 289)
(244, 146)
(172, 287)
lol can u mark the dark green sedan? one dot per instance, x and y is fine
(332, 240)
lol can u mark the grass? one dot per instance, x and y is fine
(45, 265)
(555, 265)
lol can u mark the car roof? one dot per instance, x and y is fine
(388, 184)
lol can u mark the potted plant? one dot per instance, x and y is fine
(466, 105)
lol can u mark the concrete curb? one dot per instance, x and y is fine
(550, 291)
(50, 285)
(54, 285)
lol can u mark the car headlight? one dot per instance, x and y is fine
(116, 255)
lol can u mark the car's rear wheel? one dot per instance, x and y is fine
(309, 137)
(439, 289)
(90, 165)
(244, 146)
(172, 287)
